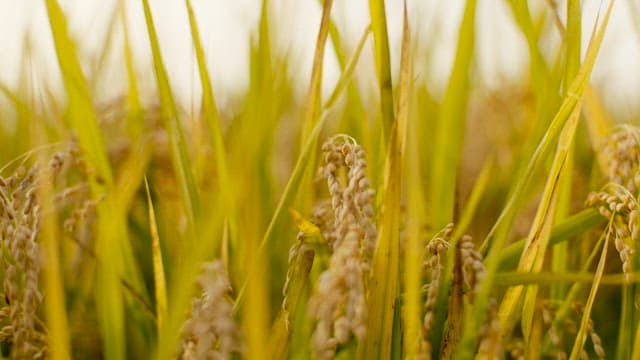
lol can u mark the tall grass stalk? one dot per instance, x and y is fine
(381, 299)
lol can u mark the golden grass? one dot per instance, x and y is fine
(184, 243)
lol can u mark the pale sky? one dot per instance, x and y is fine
(226, 27)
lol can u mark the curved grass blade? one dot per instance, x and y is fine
(82, 117)
(158, 266)
(177, 143)
(539, 235)
(212, 117)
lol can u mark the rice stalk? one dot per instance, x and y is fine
(383, 65)
(585, 329)
(447, 150)
(171, 121)
(383, 283)
(572, 44)
(210, 111)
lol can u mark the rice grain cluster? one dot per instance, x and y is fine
(339, 304)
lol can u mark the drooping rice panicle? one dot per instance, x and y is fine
(569, 327)
(210, 332)
(490, 340)
(436, 247)
(619, 197)
(596, 341)
(338, 305)
(339, 302)
(20, 217)
(351, 203)
(548, 313)
(472, 268)
(75, 231)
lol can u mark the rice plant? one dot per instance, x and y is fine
(322, 227)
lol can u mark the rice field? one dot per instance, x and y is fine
(485, 225)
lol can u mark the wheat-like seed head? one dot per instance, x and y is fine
(473, 272)
(595, 338)
(490, 339)
(351, 202)
(436, 247)
(210, 332)
(623, 153)
(549, 310)
(20, 215)
(339, 302)
(338, 305)
(19, 220)
(472, 266)
(618, 199)
(298, 250)
(515, 349)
